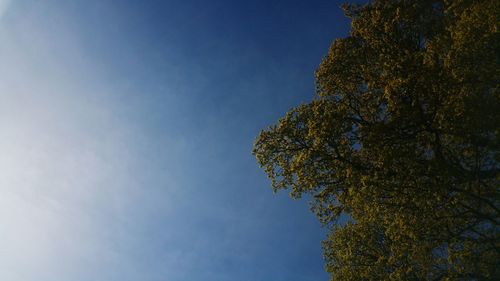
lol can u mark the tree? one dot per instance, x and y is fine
(400, 149)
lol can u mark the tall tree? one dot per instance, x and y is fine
(400, 149)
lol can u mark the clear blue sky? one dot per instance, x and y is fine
(126, 130)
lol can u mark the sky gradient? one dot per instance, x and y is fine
(126, 130)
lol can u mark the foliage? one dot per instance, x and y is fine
(400, 150)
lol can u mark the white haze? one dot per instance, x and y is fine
(67, 186)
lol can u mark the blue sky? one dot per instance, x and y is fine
(126, 130)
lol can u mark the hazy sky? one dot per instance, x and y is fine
(126, 130)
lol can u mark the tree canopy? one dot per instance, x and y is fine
(400, 148)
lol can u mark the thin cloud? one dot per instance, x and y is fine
(4, 5)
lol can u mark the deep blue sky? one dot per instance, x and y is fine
(127, 130)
